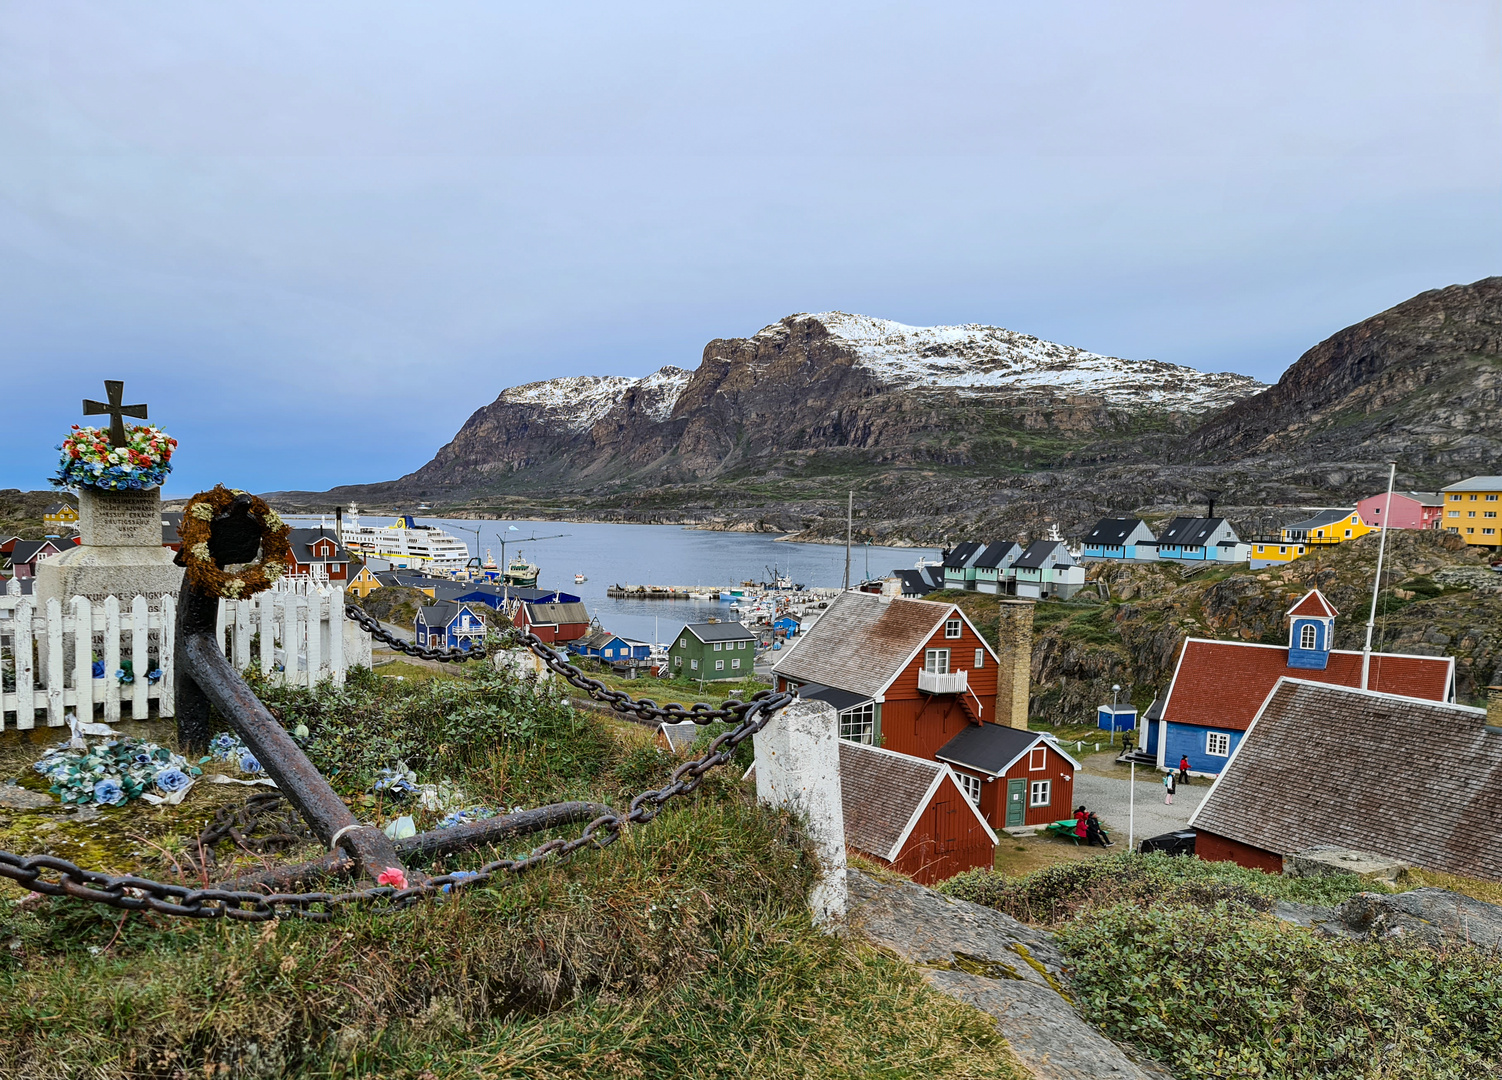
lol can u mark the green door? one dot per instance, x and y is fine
(1016, 808)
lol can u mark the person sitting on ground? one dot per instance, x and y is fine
(1095, 832)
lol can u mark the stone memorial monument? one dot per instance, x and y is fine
(121, 530)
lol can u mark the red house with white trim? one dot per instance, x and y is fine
(1409, 510)
(909, 814)
(916, 677)
(553, 622)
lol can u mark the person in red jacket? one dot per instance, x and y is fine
(1184, 768)
(1081, 822)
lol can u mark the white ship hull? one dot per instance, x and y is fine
(407, 545)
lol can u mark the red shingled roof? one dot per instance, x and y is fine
(1314, 604)
(1223, 683)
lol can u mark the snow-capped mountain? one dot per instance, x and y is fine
(576, 402)
(848, 389)
(976, 359)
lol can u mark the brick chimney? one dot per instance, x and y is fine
(1494, 706)
(1015, 637)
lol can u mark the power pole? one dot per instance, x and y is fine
(849, 524)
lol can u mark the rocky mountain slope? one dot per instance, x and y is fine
(1421, 381)
(821, 393)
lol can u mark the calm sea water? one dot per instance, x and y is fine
(662, 555)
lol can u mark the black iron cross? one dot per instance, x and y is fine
(114, 390)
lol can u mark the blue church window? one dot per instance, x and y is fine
(1307, 636)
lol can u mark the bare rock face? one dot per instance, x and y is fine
(1422, 380)
(825, 389)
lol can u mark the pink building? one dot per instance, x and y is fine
(1410, 510)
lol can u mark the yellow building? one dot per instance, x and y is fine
(60, 516)
(362, 583)
(1471, 510)
(1294, 541)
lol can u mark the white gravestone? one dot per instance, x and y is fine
(121, 554)
(798, 766)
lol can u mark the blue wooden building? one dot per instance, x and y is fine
(447, 625)
(1218, 687)
(603, 645)
(1128, 539)
(1207, 539)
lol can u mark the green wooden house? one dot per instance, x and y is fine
(720, 650)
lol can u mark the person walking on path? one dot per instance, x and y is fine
(1184, 768)
(1169, 783)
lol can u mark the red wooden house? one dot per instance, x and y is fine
(909, 814)
(316, 553)
(553, 623)
(25, 554)
(1018, 779)
(914, 676)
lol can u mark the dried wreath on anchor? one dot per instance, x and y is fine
(235, 580)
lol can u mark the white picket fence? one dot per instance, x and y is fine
(42, 670)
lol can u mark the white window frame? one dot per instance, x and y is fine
(693, 665)
(1039, 793)
(969, 786)
(1218, 744)
(953, 628)
(1308, 636)
(1038, 754)
(736, 662)
(717, 646)
(859, 724)
(936, 661)
(980, 659)
(679, 662)
(719, 665)
(683, 643)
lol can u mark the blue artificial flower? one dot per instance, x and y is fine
(98, 669)
(249, 764)
(125, 677)
(461, 875)
(154, 675)
(108, 792)
(142, 759)
(172, 780)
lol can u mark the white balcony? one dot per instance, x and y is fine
(931, 682)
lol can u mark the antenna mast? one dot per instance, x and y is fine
(1371, 621)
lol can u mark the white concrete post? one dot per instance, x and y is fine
(798, 766)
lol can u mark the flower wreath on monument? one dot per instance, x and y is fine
(88, 459)
(237, 579)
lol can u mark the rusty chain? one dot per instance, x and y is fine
(130, 893)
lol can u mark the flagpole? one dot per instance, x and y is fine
(1371, 621)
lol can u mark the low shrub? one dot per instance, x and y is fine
(1214, 992)
(1062, 891)
(488, 724)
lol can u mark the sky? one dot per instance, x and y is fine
(314, 238)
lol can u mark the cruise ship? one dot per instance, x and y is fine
(405, 544)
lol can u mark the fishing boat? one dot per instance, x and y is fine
(405, 544)
(521, 573)
(580, 579)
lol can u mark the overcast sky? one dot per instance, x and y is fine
(316, 237)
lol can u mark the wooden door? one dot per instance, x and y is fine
(1016, 803)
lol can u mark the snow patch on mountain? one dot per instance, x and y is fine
(975, 359)
(578, 402)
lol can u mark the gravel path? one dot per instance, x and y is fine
(1107, 796)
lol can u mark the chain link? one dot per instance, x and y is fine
(51, 876)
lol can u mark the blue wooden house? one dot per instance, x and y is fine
(1219, 687)
(959, 564)
(447, 625)
(603, 645)
(1128, 539)
(785, 626)
(1208, 539)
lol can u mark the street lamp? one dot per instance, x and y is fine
(1115, 690)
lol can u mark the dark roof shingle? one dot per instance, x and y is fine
(1414, 780)
(862, 641)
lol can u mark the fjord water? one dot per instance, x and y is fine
(609, 554)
